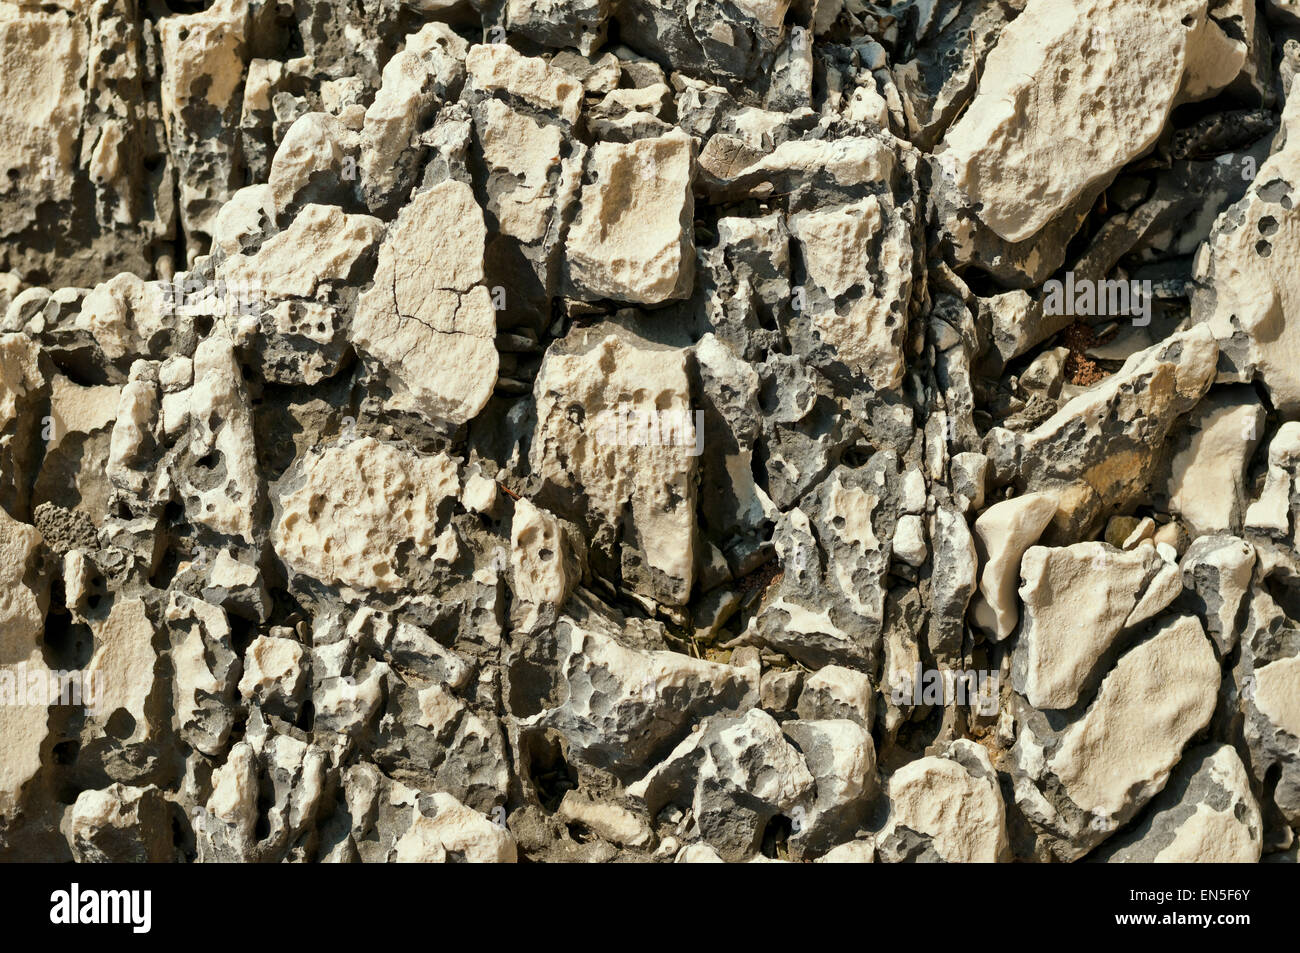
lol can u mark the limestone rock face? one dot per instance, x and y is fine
(580, 431)
(619, 705)
(1077, 600)
(1004, 532)
(337, 526)
(455, 832)
(120, 824)
(947, 808)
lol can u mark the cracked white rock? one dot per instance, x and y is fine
(429, 321)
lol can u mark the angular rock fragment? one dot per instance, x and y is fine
(612, 252)
(615, 450)
(735, 774)
(428, 322)
(622, 707)
(1080, 783)
(1207, 814)
(1077, 600)
(1095, 53)
(946, 808)
(1097, 453)
(336, 527)
(121, 824)
(1240, 293)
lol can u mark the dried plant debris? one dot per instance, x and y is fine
(639, 430)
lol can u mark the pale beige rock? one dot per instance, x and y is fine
(203, 56)
(1072, 454)
(432, 57)
(78, 409)
(498, 67)
(221, 424)
(959, 808)
(428, 320)
(272, 667)
(834, 691)
(633, 238)
(539, 557)
(1002, 534)
(202, 53)
(244, 217)
(1277, 694)
(1217, 836)
(321, 245)
(234, 791)
(1271, 513)
(204, 672)
(1218, 47)
(616, 824)
(122, 314)
(619, 704)
(42, 98)
(454, 829)
(854, 852)
(120, 823)
(1207, 479)
(20, 375)
(1073, 91)
(480, 494)
(22, 392)
(842, 757)
(23, 733)
(698, 854)
(439, 708)
(1077, 600)
(1245, 287)
(866, 248)
(82, 418)
(1158, 696)
(316, 143)
(357, 504)
(615, 379)
(123, 668)
(134, 426)
(853, 160)
(24, 592)
(530, 152)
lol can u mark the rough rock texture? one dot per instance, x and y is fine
(593, 431)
